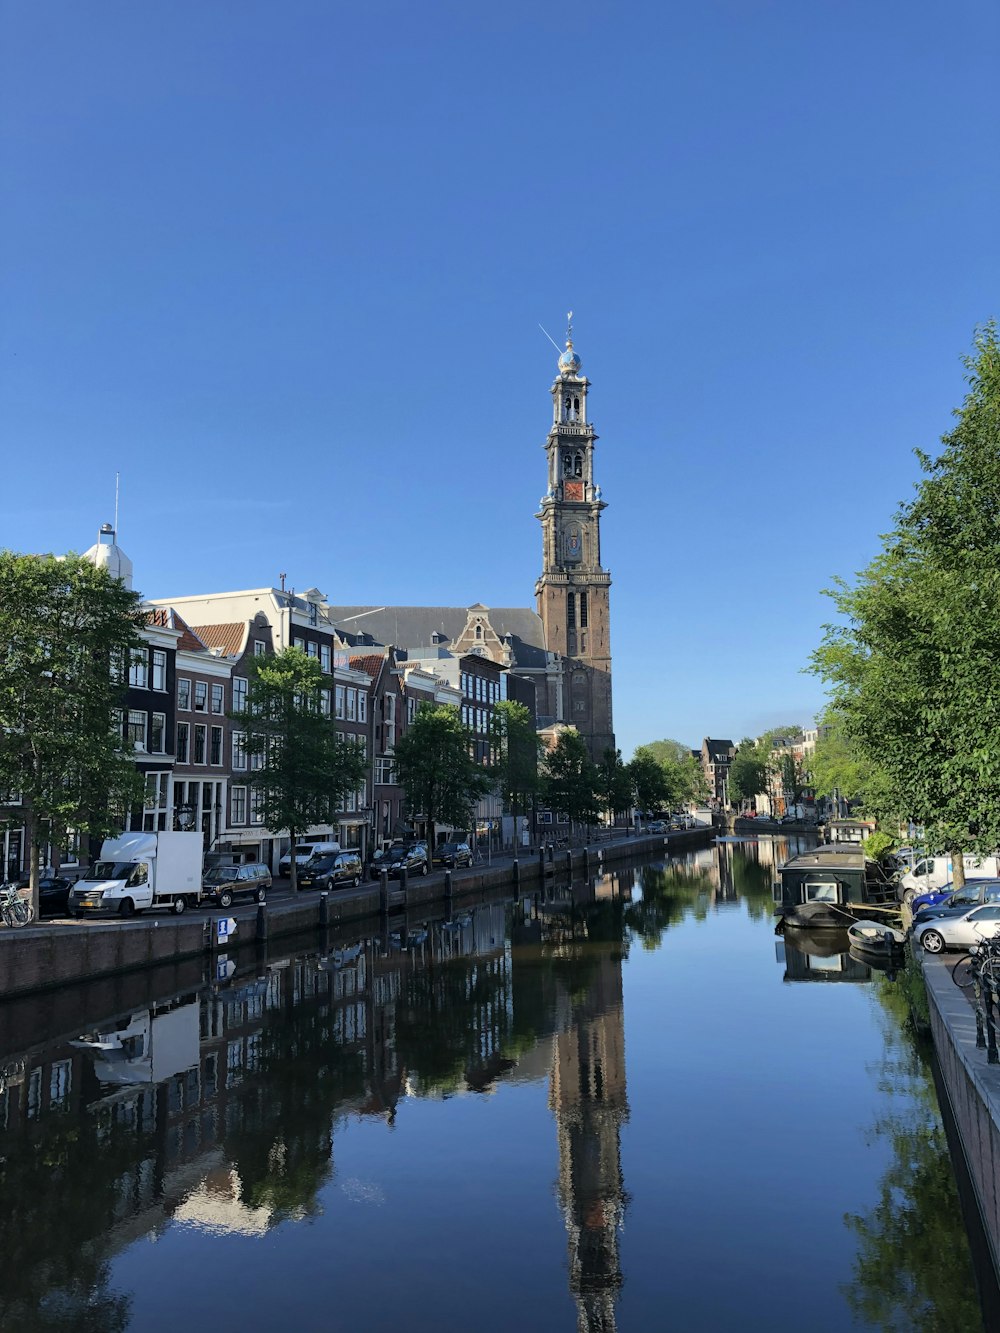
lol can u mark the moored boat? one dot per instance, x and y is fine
(831, 886)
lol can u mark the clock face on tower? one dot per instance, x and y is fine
(572, 490)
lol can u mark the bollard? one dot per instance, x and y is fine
(586, 861)
(516, 869)
(541, 862)
(569, 862)
(324, 909)
(980, 1030)
(383, 892)
(404, 879)
(552, 853)
(448, 888)
(261, 923)
(991, 1031)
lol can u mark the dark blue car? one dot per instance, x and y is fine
(950, 901)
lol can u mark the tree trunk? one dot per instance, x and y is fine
(31, 829)
(957, 870)
(293, 868)
(430, 845)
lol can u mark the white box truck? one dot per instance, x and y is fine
(934, 872)
(140, 870)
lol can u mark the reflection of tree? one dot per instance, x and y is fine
(753, 882)
(282, 1146)
(668, 896)
(66, 1177)
(913, 1271)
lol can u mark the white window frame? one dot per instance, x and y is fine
(352, 705)
(203, 728)
(160, 669)
(221, 732)
(162, 747)
(240, 687)
(200, 689)
(325, 659)
(259, 648)
(362, 705)
(130, 722)
(239, 751)
(185, 757)
(217, 694)
(238, 808)
(338, 695)
(184, 688)
(138, 669)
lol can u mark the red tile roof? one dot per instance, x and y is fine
(189, 641)
(229, 638)
(159, 615)
(371, 664)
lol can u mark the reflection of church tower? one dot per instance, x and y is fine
(587, 1095)
(573, 589)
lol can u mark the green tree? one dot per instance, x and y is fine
(67, 628)
(649, 781)
(436, 770)
(747, 772)
(837, 767)
(306, 769)
(614, 784)
(682, 771)
(914, 665)
(570, 780)
(515, 746)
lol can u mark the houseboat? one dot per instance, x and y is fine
(831, 886)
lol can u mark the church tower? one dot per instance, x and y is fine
(573, 589)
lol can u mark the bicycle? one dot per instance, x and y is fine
(14, 910)
(980, 965)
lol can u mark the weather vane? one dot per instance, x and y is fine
(569, 326)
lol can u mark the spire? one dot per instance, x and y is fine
(569, 363)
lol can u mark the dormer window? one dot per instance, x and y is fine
(479, 631)
(313, 613)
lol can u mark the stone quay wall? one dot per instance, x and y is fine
(46, 957)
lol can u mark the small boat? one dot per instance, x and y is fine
(876, 938)
(831, 886)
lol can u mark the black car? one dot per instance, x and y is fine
(327, 872)
(453, 854)
(53, 894)
(397, 859)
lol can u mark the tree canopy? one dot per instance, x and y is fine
(683, 779)
(305, 768)
(914, 662)
(570, 779)
(748, 773)
(515, 747)
(441, 779)
(67, 629)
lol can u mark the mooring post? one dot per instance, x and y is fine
(404, 879)
(586, 861)
(383, 892)
(324, 909)
(569, 862)
(261, 923)
(541, 862)
(516, 871)
(991, 1030)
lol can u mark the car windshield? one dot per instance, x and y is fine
(113, 870)
(322, 863)
(221, 873)
(396, 854)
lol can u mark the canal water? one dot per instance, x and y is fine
(618, 1105)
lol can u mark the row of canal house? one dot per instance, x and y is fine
(193, 671)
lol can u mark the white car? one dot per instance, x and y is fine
(958, 932)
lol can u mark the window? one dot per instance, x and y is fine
(239, 751)
(183, 693)
(583, 610)
(60, 1084)
(138, 672)
(339, 699)
(324, 702)
(158, 733)
(159, 669)
(384, 773)
(216, 755)
(324, 657)
(200, 696)
(200, 739)
(259, 647)
(352, 705)
(238, 805)
(362, 706)
(136, 733)
(239, 694)
(218, 698)
(571, 610)
(821, 893)
(256, 806)
(154, 802)
(183, 730)
(300, 644)
(312, 649)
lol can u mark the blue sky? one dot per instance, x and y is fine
(282, 266)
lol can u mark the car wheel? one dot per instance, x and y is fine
(356, 880)
(261, 894)
(225, 898)
(127, 907)
(180, 905)
(909, 896)
(932, 941)
(423, 868)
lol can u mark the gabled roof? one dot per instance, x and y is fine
(412, 626)
(719, 751)
(228, 639)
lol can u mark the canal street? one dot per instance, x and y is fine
(617, 1104)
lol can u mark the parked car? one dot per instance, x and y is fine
(950, 901)
(330, 872)
(453, 854)
(304, 852)
(958, 932)
(657, 826)
(411, 859)
(224, 883)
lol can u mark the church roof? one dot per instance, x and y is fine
(413, 626)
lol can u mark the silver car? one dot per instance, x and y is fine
(958, 932)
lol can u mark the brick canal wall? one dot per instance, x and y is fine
(46, 957)
(972, 1087)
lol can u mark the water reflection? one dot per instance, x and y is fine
(219, 1109)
